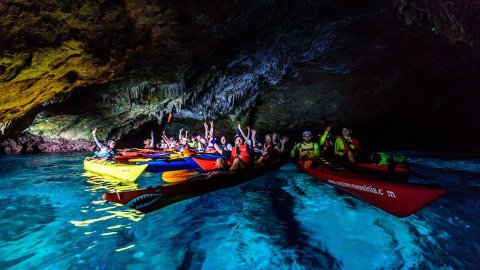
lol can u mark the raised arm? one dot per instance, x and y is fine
(324, 135)
(243, 134)
(205, 125)
(282, 148)
(211, 129)
(180, 135)
(97, 142)
(152, 140)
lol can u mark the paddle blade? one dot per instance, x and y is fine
(178, 175)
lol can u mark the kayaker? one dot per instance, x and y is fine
(224, 145)
(149, 143)
(239, 156)
(162, 144)
(268, 153)
(381, 158)
(105, 152)
(182, 141)
(279, 143)
(347, 147)
(307, 150)
(246, 138)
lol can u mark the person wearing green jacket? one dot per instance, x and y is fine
(306, 150)
(347, 147)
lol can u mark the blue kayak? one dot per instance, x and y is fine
(187, 163)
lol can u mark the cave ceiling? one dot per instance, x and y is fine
(69, 66)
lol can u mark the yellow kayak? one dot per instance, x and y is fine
(118, 170)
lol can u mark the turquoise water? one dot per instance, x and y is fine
(53, 217)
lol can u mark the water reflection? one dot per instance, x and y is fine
(98, 185)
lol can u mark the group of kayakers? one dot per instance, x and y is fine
(344, 147)
(248, 150)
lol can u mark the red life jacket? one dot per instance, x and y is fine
(346, 145)
(244, 156)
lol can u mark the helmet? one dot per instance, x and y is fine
(307, 133)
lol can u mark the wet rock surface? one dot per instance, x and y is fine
(27, 143)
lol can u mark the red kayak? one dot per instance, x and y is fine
(151, 199)
(397, 198)
(398, 172)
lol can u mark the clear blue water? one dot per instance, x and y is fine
(53, 218)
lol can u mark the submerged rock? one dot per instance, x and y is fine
(29, 143)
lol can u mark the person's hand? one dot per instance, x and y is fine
(284, 140)
(181, 129)
(239, 127)
(211, 123)
(151, 132)
(94, 132)
(328, 128)
(254, 132)
(264, 151)
(248, 128)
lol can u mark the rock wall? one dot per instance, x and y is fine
(69, 66)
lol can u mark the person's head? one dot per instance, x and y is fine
(202, 140)
(268, 139)
(275, 136)
(147, 141)
(238, 139)
(307, 136)
(111, 144)
(346, 132)
(223, 140)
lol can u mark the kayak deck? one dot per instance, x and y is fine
(397, 198)
(118, 170)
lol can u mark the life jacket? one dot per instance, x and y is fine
(306, 150)
(347, 146)
(105, 153)
(243, 155)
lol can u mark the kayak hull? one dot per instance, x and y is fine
(151, 199)
(207, 161)
(118, 170)
(397, 198)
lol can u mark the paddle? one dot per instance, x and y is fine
(168, 121)
(178, 175)
(135, 160)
